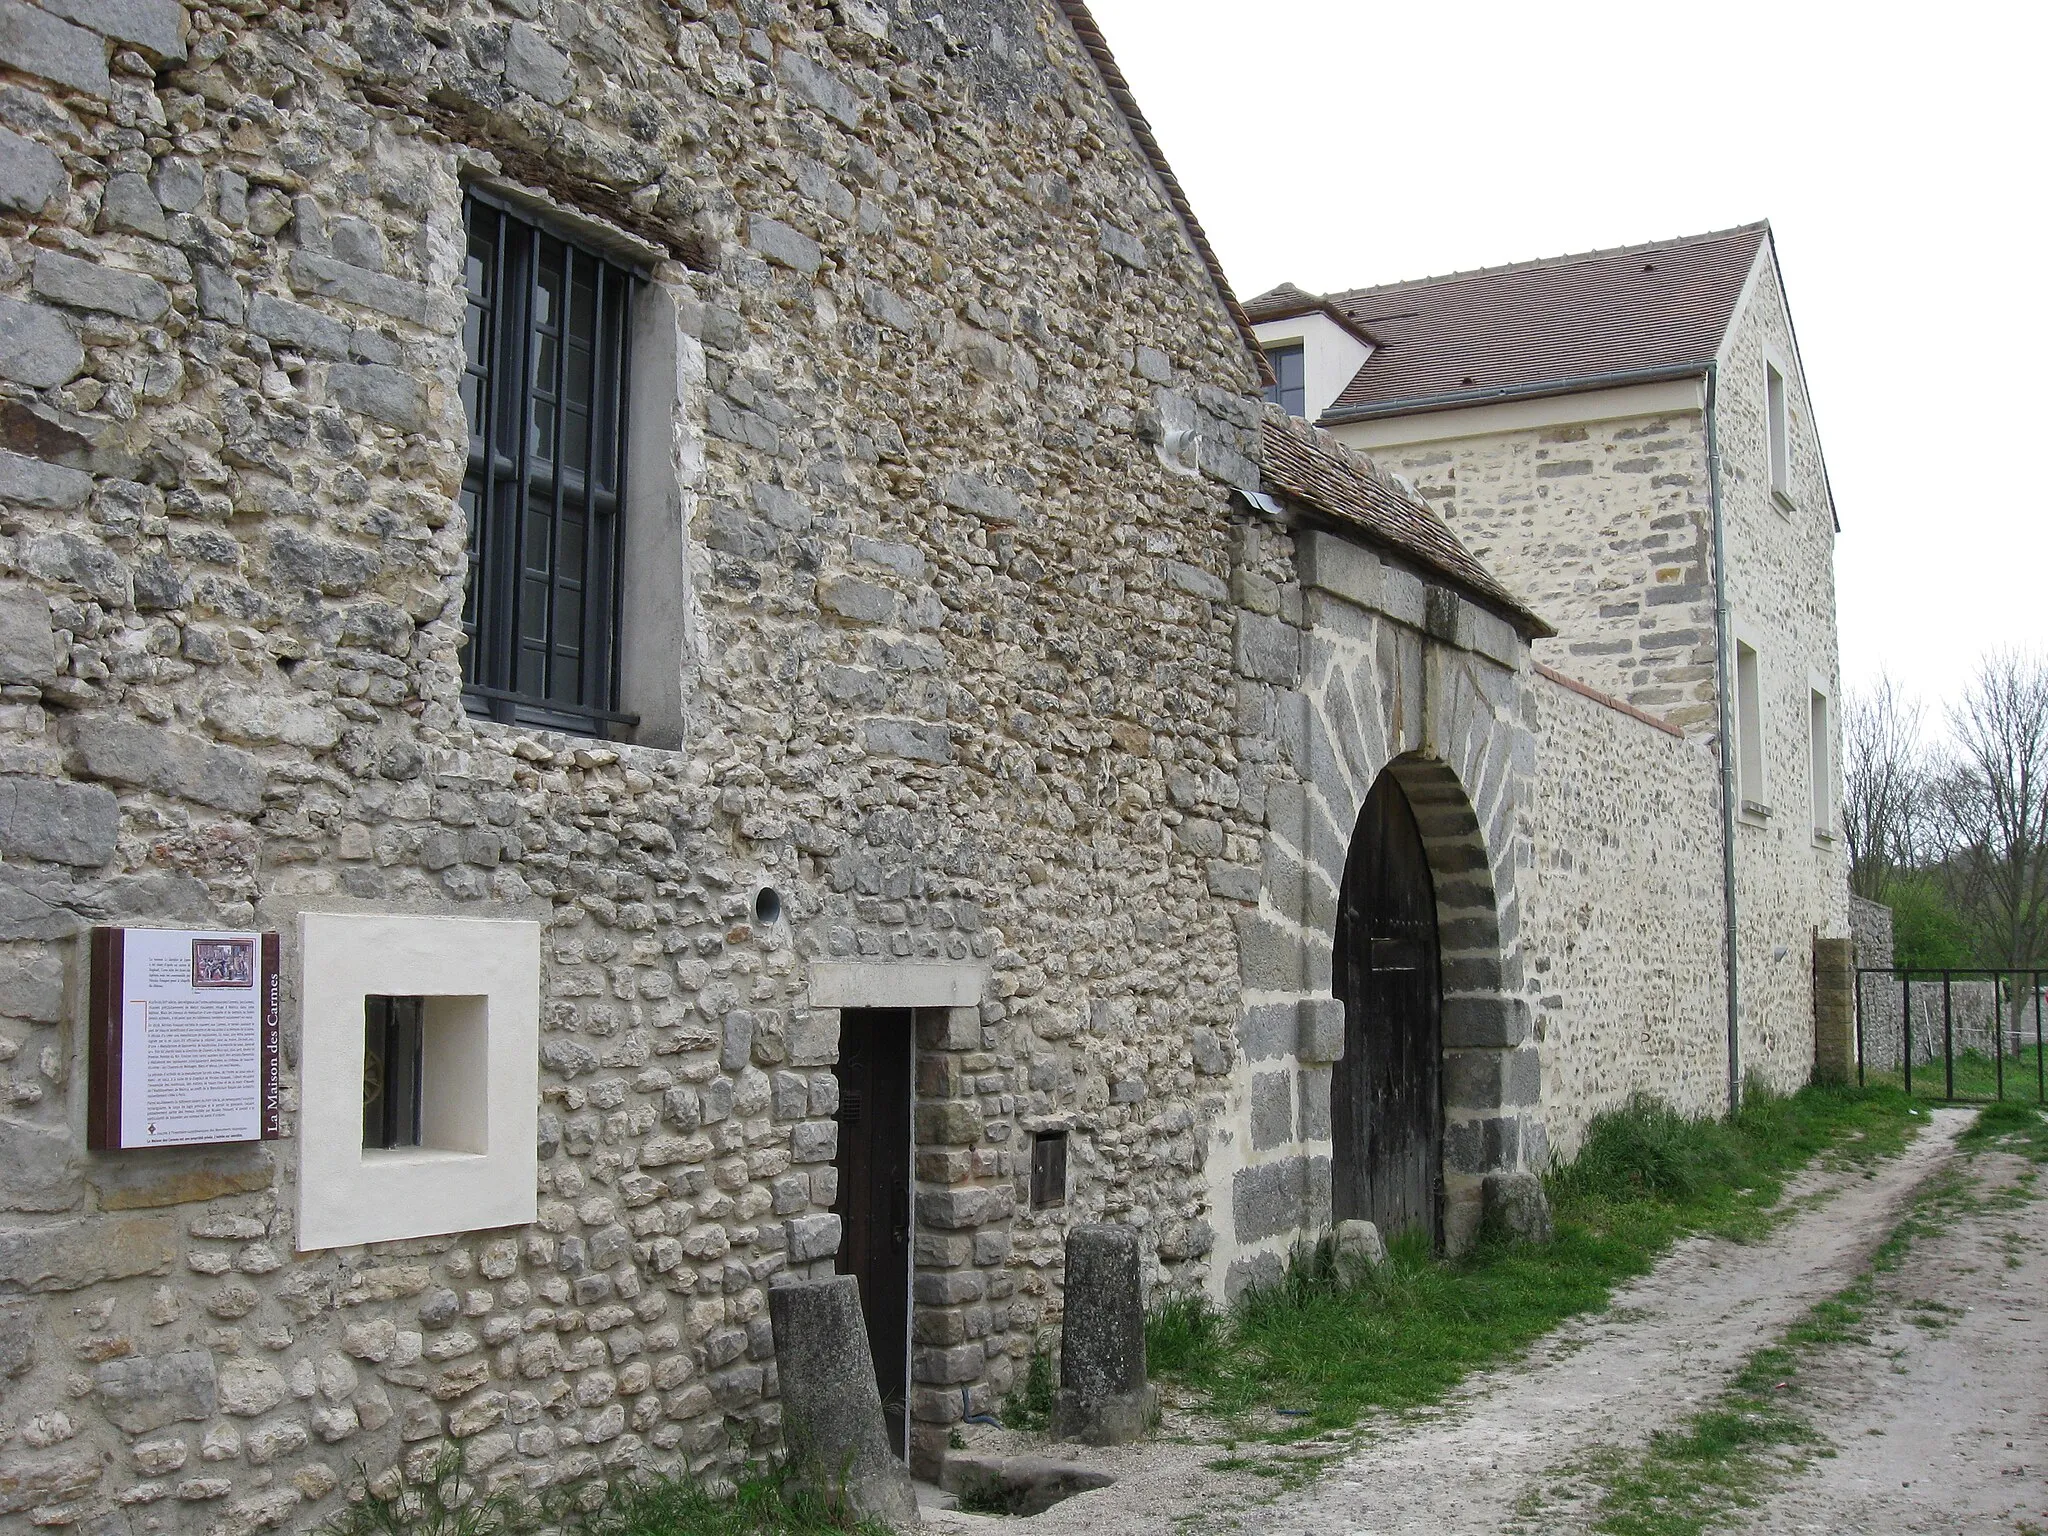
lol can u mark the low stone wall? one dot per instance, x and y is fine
(1870, 926)
(1622, 918)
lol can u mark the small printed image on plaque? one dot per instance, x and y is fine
(223, 963)
(183, 1046)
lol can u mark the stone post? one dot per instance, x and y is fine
(1103, 1398)
(1834, 1010)
(831, 1409)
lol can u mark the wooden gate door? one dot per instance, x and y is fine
(1386, 1095)
(874, 1193)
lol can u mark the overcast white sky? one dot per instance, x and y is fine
(1898, 153)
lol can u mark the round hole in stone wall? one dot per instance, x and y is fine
(767, 905)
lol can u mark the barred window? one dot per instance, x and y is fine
(545, 392)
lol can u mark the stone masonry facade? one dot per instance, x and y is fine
(1354, 664)
(1604, 524)
(1604, 528)
(976, 675)
(1627, 976)
(950, 606)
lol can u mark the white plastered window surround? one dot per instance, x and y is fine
(480, 1077)
(661, 644)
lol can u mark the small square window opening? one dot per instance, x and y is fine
(1048, 1169)
(1289, 390)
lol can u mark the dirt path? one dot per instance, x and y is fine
(1942, 1419)
(1669, 1342)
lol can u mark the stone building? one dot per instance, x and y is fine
(715, 574)
(1625, 439)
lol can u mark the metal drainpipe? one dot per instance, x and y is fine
(1724, 664)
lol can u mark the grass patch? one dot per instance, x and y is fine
(452, 1501)
(1977, 1078)
(2012, 1127)
(1406, 1334)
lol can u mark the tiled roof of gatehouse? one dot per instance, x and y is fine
(1307, 465)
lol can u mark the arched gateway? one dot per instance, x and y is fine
(1386, 1094)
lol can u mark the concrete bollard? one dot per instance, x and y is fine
(1103, 1398)
(831, 1410)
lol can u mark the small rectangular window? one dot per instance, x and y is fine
(545, 331)
(1288, 389)
(1749, 731)
(1781, 441)
(1823, 767)
(393, 1058)
(1048, 1169)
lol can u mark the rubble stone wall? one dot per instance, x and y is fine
(958, 674)
(1627, 969)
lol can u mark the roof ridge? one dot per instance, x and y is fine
(1539, 263)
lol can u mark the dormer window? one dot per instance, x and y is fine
(1288, 391)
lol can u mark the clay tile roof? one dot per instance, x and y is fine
(1282, 303)
(1312, 467)
(1119, 88)
(1287, 301)
(1546, 327)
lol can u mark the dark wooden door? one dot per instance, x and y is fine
(1386, 1095)
(874, 1193)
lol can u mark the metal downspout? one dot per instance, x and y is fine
(1724, 668)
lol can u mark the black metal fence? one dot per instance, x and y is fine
(1975, 1023)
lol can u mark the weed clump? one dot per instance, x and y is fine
(1182, 1331)
(2009, 1126)
(1030, 1406)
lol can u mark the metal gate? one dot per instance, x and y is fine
(1979, 1031)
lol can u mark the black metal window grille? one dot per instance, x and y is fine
(394, 1055)
(546, 333)
(1289, 389)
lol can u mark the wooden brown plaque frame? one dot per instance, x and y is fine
(104, 1059)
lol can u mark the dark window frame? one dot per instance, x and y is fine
(394, 1067)
(547, 335)
(1291, 398)
(1048, 1170)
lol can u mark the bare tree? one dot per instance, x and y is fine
(1992, 802)
(1884, 786)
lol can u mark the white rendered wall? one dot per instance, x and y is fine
(1330, 355)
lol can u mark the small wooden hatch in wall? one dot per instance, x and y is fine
(1048, 1169)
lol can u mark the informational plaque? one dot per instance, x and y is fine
(184, 1038)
